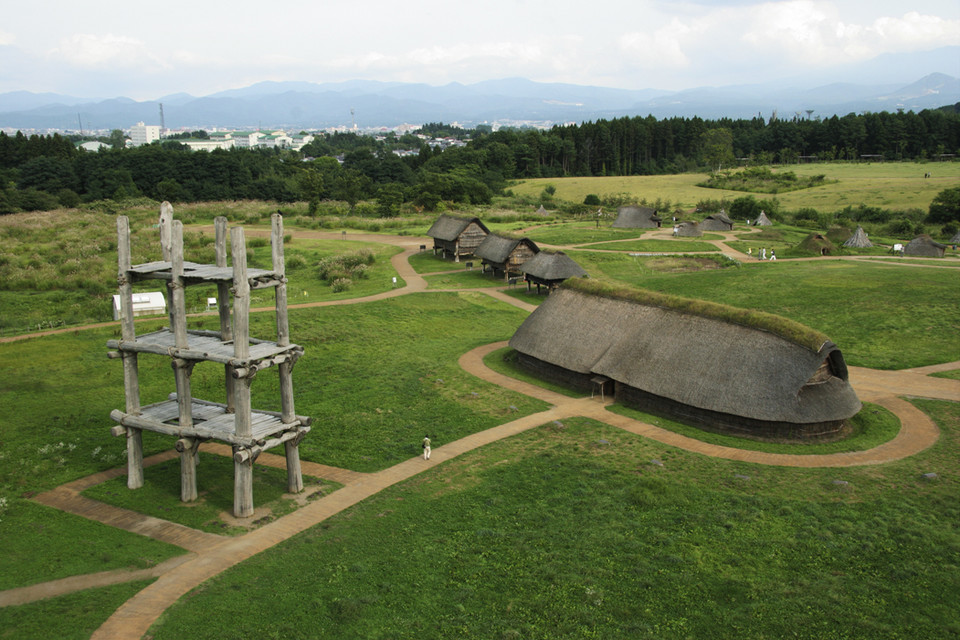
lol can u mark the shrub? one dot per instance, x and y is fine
(592, 200)
(341, 284)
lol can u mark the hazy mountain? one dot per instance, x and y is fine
(309, 105)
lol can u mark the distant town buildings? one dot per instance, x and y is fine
(141, 134)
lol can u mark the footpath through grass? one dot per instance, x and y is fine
(578, 529)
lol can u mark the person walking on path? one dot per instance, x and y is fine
(426, 447)
(773, 256)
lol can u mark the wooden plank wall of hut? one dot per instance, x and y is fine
(518, 256)
(555, 374)
(471, 238)
(727, 423)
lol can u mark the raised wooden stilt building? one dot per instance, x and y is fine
(191, 420)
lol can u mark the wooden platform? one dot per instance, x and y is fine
(210, 420)
(194, 273)
(205, 346)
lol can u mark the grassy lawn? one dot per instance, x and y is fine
(426, 262)
(160, 495)
(574, 233)
(656, 245)
(74, 616)
(870, 428)
(581, 530)
(464, 279)
(890, 185)
(870, 310)
(950, 375)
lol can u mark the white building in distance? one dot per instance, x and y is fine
(141, 134)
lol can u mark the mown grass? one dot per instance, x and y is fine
(879, 316)
(950, 375)
(656, 245)
(211, 512)
(465, 279)
(41, 543)
(890, 185)
(426, 262)
(871, 427)
(578, 529)
(72, 616)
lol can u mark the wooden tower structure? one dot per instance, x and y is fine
(192, 420)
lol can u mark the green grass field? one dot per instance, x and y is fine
(579, 530)
(890, 185)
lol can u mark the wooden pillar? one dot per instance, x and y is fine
(178, 318)
(223, 302)
(243, 488)
(131, 377)
(166, 229)
(188, 448)
(285, 369)
(242, 470)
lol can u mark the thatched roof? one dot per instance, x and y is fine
(721, 217)
(955, 239)
(497, 248)
(632, 217)
(449, 228)
(542, 212)
(817, 242)
(549, 265)
(689, 230)
(924, 245)
(763, 220)
(858, 240)
(694, 360)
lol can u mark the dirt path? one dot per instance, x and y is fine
(213, 554)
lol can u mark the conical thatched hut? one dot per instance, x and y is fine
(817, 243)
(503, 254)
(759, 375)
(634, 217)
(717, 222)
(858, 240)
(763, 220)
(925, 246)
(549, 269)
(456, 236)
(689, 230)
(955, 239)
(542, 212)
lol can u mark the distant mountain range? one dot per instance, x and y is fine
(306, 105)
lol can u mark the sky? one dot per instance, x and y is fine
(144, 51)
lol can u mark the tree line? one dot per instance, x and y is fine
(44, 172)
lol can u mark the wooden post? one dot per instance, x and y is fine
(243, 488)
(294, 475)
(131, 378)
(178, 318)
(166, 221)
(188, 448)
(223, 302)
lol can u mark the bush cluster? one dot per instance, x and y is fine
(344, 267)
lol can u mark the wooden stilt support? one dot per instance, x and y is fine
(223, 301)
(131, 377)
(243, 488)
(189, 456)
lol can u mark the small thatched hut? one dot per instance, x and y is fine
(542, 212)
(689, 230)
(634, 217)
(454, 236)
(504, 254)
(925, 246)
(721, 368)
(717, 222)
(762, 220)
(817, 243)
(858, 240)
(955, 239)
(549, 269)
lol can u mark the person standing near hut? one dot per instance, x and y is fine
(773, 256)
(749, 252)
(426, 447)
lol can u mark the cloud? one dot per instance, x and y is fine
(7, 38)
(93, 52)
(812, 32)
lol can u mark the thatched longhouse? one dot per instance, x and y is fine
(505, 255)
(691, 365)
(925, 246)
(453, 236)
(634, 217)
(717, 222)
(689, 230)
(549, 269)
